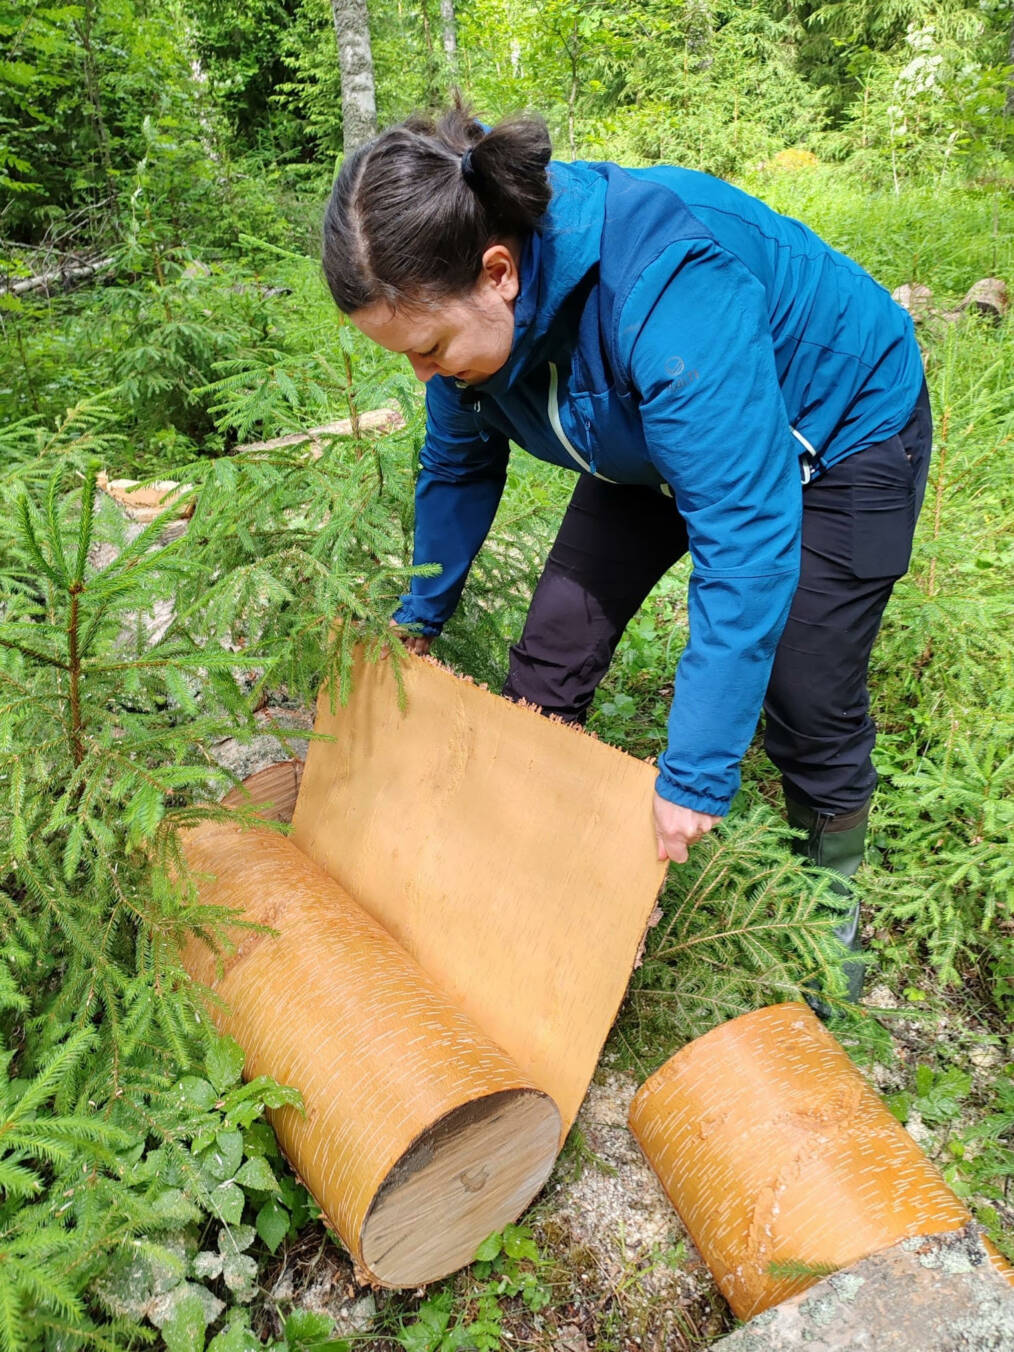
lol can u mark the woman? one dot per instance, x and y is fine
(721, 380)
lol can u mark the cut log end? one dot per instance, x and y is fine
(462, 1179)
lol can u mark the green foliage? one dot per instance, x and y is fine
(125, 654)
(740, 927)
(937, 1095)
(110, 1206)
(194, 144)
(508, 1266)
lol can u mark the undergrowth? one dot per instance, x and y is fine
(143, 1191)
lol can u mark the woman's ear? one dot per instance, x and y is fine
(501, 271)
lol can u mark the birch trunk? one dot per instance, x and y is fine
(449, 32)
(420, 1136)
(355, 58)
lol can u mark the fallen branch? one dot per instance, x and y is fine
(143, 502)
(377, 420)
(62, 277)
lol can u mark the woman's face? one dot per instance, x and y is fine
(468, 338)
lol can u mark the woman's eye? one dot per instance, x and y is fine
(432, 352)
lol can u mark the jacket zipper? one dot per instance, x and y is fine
(557, 425)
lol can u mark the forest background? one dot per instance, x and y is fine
(162, 174)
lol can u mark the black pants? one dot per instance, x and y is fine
(616, 541)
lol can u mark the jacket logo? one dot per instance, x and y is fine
(676, 368)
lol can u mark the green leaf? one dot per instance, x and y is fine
(489, 1249)
(239, 1272)
(256, 1173)
(197, 1091)
(259, 1139)
(235, 1238)
(228, 1201)
(518, 1243)
(923, 1080)
(426, 1332)
(238, 1337)
(222, 1158)
(272, 1224)
(224, 1063)
(184, 1330)
(942, 1100)
(898, 1105)
(304, 1328)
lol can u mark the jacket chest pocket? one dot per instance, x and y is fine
(611, 430)
(571, 423)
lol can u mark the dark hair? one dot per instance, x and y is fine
(407, 222)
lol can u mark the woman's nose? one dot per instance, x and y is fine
(422, 367)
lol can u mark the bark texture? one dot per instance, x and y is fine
(420, 1136)
(781, 1160)
(355, 59)
(513, 857)
(449, 33)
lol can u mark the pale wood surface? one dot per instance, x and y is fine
(512, 856)
(143, 502)
(372, 420)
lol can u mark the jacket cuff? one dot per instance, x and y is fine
(428, 628)
(697, 802)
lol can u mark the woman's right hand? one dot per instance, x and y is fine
(415, 643)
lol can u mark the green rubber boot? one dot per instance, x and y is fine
(835, 843)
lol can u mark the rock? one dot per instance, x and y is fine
(570, 1339)
(356, 1316)
(934, 1293)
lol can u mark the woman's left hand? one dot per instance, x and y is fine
(677, 828)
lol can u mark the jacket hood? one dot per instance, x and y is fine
(558, 261)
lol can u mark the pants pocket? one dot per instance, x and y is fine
(883, 511)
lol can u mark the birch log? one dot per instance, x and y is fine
(781, 1160)
(420, 1136)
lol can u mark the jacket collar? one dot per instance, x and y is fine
(557, 261)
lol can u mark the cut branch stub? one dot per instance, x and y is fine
(144, 502)
(420, 1136)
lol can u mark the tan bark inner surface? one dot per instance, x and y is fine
(512, 856)
(464, 1178)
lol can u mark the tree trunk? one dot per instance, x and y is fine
(449, 32)
(355, 58)
(84, 29)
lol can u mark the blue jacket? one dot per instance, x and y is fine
(673, 331)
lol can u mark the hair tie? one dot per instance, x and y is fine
(468, 170)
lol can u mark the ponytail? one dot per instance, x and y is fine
(412, 212)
